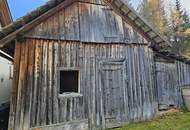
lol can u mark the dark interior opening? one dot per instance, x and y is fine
(69, 81)
(4, 116)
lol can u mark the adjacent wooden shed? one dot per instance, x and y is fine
(88, 64)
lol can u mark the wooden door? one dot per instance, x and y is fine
(166, 84)
(113, 84)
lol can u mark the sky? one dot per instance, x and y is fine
(186, 4)
(21, 7)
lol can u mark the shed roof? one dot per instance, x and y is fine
(10, 32)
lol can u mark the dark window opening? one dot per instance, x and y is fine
(4, 116)
(69, 81)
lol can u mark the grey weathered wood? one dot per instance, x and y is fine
(36, 76)
(72, 22)
(50, 83)
(29, 87)
(89, 21)
(15, 85)
(55, 88)
(117, 81)
(74, 125)
(131, 83)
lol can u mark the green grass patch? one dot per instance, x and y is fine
(178, 121)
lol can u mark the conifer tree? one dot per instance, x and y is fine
(180, 28)
(176, 27)
(186, 17)
(178, 7)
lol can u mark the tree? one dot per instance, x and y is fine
(178, 7)
(176, 27)
(186, 17)
(180, 28)
(154, 12)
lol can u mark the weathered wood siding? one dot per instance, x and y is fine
(129, 68)
(170, 78)
(87, 22)
(116, 67)
(184, 73)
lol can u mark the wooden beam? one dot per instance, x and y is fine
(35, 22)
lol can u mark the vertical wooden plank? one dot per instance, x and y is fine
(29, 89)
(130, 87)
(68, 54)
(61, 21)
(14, 92)
(135, 110)
(55, 89)
(21, 88)
(24, 88)
(151, 80)
(144, 83)
(44, 81)
(138, 67)
(35, 100)
(92, 82)
(97, 109)
(72, 22)
(50, 83)
(39, 62)
(88, 90)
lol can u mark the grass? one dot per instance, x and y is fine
(177, 121)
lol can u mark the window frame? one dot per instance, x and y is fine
(68, 94)
(11, 75)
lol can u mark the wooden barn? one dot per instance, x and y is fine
(89, 64)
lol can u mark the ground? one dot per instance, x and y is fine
(176, 121)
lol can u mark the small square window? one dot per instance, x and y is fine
(69, 81)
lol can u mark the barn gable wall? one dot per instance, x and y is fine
(86, 22)
(117, 78)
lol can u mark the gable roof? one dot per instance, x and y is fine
(9, 33)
